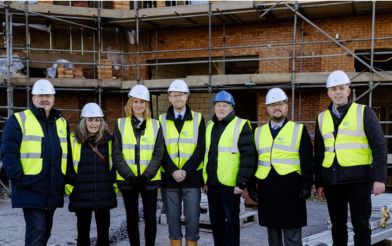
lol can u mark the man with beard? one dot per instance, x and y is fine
(284, 174)
(34, 152)
(350, 158)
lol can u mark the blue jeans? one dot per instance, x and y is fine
(174, 197)
(38, 225)
(224, 210)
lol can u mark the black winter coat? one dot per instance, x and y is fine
(45, 190)
(121, 165)
(246, 147)
(281, 198)
(93, 183)
(336, 174)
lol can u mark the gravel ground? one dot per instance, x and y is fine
(64, 227)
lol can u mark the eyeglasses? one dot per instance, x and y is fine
(178, 96)
(277, 104)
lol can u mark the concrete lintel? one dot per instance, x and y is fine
(123, 13)
(202, 80)
(69, 82)
(56, 9)
(192, 9)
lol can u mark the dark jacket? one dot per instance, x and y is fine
(246, 147)
(276, 191)
(337, 174)
(121, 165)
(93, 182)
(45, 190)
(194, 177)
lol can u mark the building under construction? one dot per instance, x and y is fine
(97, 50)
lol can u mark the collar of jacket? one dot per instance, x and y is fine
(187, 116)
(283, 124)
(226, 120)
(341, 109)
(40, 113)
(103, 141)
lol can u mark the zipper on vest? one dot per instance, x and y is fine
(137, 152)
(178, 150)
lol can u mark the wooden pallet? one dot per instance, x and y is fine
(62, 72)
(45, 1)
(105, 69)
(121, 4)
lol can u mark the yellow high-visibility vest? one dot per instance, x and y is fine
(180, 146)
(146, 147)
(76, 155)
(350, 146)
(228, 161)
(31, 146)
(282, 152)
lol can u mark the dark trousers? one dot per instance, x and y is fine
(290, 237)
(131, 202)
(102, 218)
(38, 225)
(357, 196)
(224, 210)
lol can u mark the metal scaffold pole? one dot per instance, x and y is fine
(293, 64)
(27, 47)
(99, 53)
(209, 54)
(136, 7)
(372, 53)
(10, 89)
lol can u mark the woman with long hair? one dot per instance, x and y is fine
(93, 178)
(137, 154)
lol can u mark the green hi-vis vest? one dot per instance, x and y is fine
(228, 161)
(282, 152)
(76, 154)
(146, 147)
(351, 146)
(180, 146)
(31, 146)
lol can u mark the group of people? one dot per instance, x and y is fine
(183, 155)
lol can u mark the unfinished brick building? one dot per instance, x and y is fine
(245, 47)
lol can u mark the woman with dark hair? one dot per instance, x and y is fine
(137, 154)
(93, 178)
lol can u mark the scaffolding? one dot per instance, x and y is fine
(211, 15)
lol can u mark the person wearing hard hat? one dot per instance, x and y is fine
(284, 175)
(93, 178)
(229, 162)
(34, 151)
(137, 155)
(350, 160)
(183, 130)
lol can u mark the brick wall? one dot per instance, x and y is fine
(275, 57)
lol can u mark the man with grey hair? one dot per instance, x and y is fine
(34, 152)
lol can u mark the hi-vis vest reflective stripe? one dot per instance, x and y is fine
(351, 146)
(281, 152)
(146, 148)
(76, 154)
(31, 146)
(228, 160)
(180, 146)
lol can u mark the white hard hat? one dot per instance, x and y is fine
(141, 92)
(43, 87)
(178, 85)
(337, 78)
(275, 95)
(91, 110)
